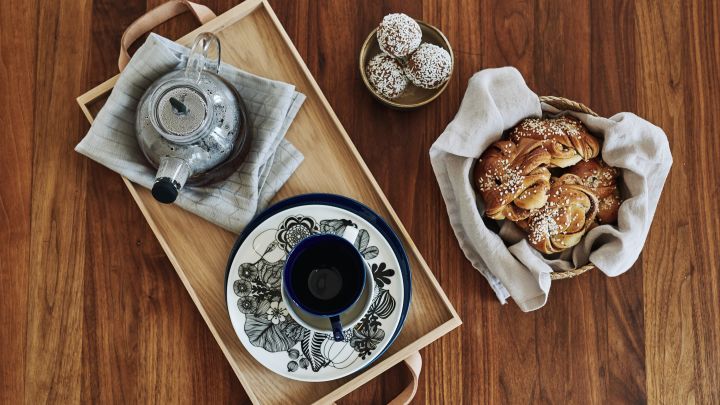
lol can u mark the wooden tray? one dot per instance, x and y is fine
(254, 40)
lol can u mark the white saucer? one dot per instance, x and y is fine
(348, 318)
(258, 313)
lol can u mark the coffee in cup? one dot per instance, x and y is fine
(324, 275)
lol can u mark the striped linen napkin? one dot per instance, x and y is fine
(231, 204)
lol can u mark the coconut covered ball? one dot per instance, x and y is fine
(429, 67)
(398, 35)
(386, 75)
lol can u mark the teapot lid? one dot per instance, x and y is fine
(181, 111)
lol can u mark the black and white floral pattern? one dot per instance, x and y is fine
(267, 323)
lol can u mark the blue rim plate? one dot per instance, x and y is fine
(258, 314)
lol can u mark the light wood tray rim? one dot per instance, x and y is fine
(375, 369)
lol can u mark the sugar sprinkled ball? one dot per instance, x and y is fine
(386, 75)
(398, 35)
(429, 67)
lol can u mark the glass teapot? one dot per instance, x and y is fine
(191, 124)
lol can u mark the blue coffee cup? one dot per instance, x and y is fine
(324, 276)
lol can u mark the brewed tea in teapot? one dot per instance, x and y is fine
(192, 124)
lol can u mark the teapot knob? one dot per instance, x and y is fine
(198, 59)
(178, 106)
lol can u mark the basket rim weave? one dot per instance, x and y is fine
(564, 104)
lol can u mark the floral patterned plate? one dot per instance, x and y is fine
(259, 315)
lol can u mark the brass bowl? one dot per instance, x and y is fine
(414, 96)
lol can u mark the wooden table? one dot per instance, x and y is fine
(92, 311)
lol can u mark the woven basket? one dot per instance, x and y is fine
(564, 104)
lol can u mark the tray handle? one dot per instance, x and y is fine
(155, 17)
(414, 365)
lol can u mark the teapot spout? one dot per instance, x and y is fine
(170, 178)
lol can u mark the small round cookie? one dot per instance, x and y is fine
(429, 67)
(386, 75)
(399, 35)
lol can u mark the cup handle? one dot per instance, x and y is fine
(337, 328)
(350, 234)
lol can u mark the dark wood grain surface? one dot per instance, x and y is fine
(92, 311)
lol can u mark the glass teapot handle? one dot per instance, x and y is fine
(198, 59)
